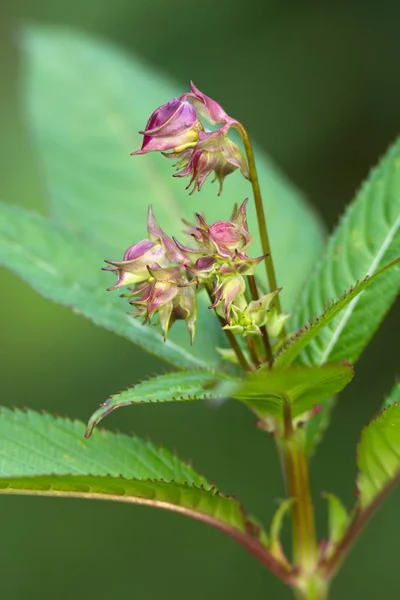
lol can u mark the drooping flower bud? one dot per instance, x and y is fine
(208, 108)
(231, 236)
(223, 238)
(214, 152)
(158, 250)
(173, 125)
(230, 287)
(169, 295)
(133, 268)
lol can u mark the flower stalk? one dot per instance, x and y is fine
(262, 227)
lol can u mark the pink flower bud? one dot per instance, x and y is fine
(173, 125)
(225, 234)
(226, 239)
(206, 107)
(133, 268)
(204, 269)
(169, 295)
(214, 152)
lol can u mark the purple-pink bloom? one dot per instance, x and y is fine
(173, 125)
(206, 107)
(169, 295)
(214, 152)
(224, 238)
(159, 250)
(133, 268)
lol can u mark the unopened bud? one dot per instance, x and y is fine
(230, 287)
(173, 125)
(214, 152)
(206, 107)
(133, 268)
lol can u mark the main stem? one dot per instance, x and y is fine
(260, 213)
(310, 585)
(313, 589)
(297, 481)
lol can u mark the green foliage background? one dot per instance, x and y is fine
(318, 87)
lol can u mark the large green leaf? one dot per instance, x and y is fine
(306, 335)
(304, 387)
(63, 268)
(378, 455)
(44, 455)
(172, 387)
(367, 238)
(86, 102)
(378, 461)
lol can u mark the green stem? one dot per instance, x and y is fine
(295, 467)
(253, 351)
(314, 588)
(260, 214)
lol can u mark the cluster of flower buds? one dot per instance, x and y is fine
(163, 276)
(176, 130)
(155, 267)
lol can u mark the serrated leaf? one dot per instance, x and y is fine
(307, 334)
(378, 455)
(85, 121)
(304, 387)
(44, 455)
(61, 267)
(338, 521)
(367, 238)
(172, 387)
(40, 444)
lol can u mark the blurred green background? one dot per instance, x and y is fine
(318, 85)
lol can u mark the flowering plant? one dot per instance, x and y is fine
(223, 288)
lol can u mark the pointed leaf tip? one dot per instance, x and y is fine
(171, 387)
